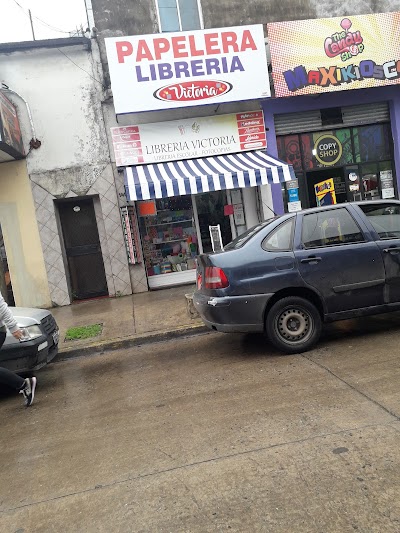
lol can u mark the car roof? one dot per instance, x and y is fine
(337, 206)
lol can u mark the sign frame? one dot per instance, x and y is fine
(335, 54)
(181, 69)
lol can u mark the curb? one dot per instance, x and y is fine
(129, 342)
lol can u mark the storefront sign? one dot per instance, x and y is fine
(189, 138)
(10, 132)
(325, 192)
(335, 54)
(173, 70)
(328, 150)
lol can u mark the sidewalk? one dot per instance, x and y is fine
(128, 320)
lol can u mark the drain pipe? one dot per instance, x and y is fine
(34, 143)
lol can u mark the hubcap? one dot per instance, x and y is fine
(294, 325)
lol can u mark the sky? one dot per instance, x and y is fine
(58, 18)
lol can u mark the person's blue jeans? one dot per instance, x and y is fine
(6, 376)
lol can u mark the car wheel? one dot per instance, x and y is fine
(293, 324)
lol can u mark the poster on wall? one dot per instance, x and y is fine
(335, 54)
(325, 192)
(10, 131)
(387, 185)
(188, 68)
(131, 234)
(189, 138)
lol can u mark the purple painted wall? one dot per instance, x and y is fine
(278, 106)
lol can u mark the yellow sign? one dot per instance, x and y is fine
(335, 54)
(325, 192)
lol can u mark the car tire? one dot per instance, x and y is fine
(293, 324)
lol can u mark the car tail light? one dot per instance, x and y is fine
(215, 278)
(199, 280)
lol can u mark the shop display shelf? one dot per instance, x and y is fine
(172, 240)
(167, 223)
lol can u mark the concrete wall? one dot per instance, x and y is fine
(21, 236)
(63, 86)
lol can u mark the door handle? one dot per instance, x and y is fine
(311, 259)
(392, 249)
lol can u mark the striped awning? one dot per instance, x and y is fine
(193, 176)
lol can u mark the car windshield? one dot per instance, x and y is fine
(247, 235)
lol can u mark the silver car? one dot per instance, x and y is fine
(40, 344)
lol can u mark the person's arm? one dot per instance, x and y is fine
(7, 317)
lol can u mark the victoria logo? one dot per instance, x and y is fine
(190, 91)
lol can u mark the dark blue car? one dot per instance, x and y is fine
(291, 273)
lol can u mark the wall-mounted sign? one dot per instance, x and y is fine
(387, 186)
(325, 192)
(131, 234)
(335, 54)
(189, 138)
(173, 70)
(328, 150)
(11, 143)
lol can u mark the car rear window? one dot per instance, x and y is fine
(247, 235)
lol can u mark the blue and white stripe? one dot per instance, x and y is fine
(192, 176)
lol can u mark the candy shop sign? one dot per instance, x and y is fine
(324, 55)
(153, 72)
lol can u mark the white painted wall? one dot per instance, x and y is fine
(63, 86)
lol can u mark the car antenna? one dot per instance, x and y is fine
(270, 208)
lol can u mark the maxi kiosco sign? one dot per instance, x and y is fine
(174, 70)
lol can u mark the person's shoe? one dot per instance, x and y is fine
(28, 391)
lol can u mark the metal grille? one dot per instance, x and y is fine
(311, 120)
(49, 324)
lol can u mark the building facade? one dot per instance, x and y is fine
(73, 248)
(356, 121)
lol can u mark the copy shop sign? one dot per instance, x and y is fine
(328, 150)
(173, 70)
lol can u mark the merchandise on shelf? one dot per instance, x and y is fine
(169, 237)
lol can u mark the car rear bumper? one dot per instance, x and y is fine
(232, 313)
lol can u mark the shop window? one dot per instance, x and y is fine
(289, 150)
(369, 179)
(385, 218)
(332, 227)
(169, 236)
(372, 143)
(280, 239)
(179, 15)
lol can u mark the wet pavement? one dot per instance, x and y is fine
(127, 318)
(211, 433)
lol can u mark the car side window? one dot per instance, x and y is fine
(385, 218)
(330, 228)
(281, 239)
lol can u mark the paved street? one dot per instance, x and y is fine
(211, 433)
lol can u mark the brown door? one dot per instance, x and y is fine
(82, 245)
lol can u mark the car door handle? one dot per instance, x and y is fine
(311, 259)
(395, 249)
